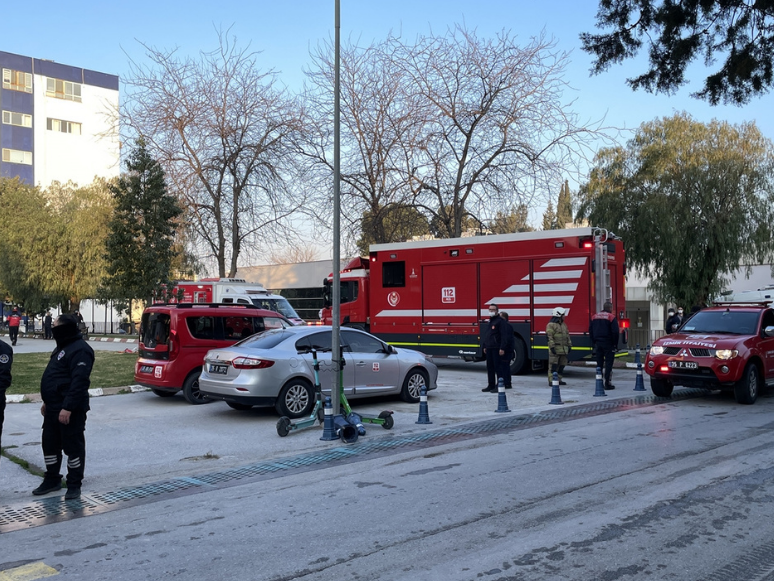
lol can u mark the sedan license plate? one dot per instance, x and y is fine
(219, 369)
(683, 365)
(146, 369)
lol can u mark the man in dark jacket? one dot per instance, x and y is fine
(495, 344)
(505, 359)
(603, 332)
(674, 320)
(64, 388)
(14, 320)
(6, 359)
(47, 322)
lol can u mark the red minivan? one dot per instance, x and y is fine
(175, 338)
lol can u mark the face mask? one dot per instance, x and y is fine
(492, 313)
(680, 312)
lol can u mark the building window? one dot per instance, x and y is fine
(16, 156)
(63, 90)
(17, 81)
(63, 126)
(19, 119)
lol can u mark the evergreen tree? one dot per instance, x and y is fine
(549, 217)
(140, 246)
(516, 220)
(564, 207)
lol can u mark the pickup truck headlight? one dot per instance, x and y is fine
(656, 350)
(726, 353)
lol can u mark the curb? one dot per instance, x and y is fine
(94, 392)
(101, 339)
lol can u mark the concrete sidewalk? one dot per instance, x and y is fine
(138, 438)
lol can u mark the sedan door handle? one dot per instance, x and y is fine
(360, 364)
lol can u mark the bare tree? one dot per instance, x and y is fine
(224, 133)
(379, 122)
(496, 129)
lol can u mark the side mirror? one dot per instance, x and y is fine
(391, 350)
(768, 332)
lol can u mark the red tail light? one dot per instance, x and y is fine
(251, 363)
(588, 245)
(625, 323)
(664, 368)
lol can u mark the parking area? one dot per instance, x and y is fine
(138, 438)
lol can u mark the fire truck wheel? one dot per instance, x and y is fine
(413, 383)
(191, 391)
(296, 399)
(661, 388)
(746, 389)
(519, 360)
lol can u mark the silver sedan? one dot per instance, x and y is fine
(275, 368)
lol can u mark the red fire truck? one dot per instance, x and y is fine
(433, 295)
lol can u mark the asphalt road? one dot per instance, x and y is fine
(606, 488)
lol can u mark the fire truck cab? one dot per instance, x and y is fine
(433, 295)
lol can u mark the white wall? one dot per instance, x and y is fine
(67, 157)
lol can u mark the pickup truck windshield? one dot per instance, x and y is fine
(714, 322)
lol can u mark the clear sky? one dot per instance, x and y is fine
(103, 36)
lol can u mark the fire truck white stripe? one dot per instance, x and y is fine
(553, 275)
(517, 288)
(508, 301)
(555, 300)
(556, 288)
(525, 313)
(539, 300)
(557, 262)
(429, 313)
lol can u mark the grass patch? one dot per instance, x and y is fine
(23, 463)
(111, 369)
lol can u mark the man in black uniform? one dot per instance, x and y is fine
(64, 388)
(604, 333)
(6, 359)
(47, 321)
(495, 344)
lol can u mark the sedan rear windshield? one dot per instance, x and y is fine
(729, 322)
(265, 340)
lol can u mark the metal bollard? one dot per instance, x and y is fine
(599, 389)
(556, 396)
(424, 415)
(502, 402)
(329, 430)
(639, 384)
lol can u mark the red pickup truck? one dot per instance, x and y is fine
(728, 347)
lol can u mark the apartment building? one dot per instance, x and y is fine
(59, 122)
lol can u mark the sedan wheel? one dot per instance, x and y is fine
(296, 399)
(412, 385)
(746, 389)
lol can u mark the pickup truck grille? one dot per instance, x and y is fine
(695, 351)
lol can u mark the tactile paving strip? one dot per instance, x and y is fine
(55, 509)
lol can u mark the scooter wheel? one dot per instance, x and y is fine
(283, 426)
(388, 421)
(321, 415)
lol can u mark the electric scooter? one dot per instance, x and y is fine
(285, 425)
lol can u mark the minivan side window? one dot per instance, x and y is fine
(201, 327)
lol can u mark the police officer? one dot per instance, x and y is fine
(495, 344)
(64, 389)
(6, 359)
(559, 345)
(603, 332)
(13, 325)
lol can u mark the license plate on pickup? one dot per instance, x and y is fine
(219, 369)
(683, 365)
(146, 369)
